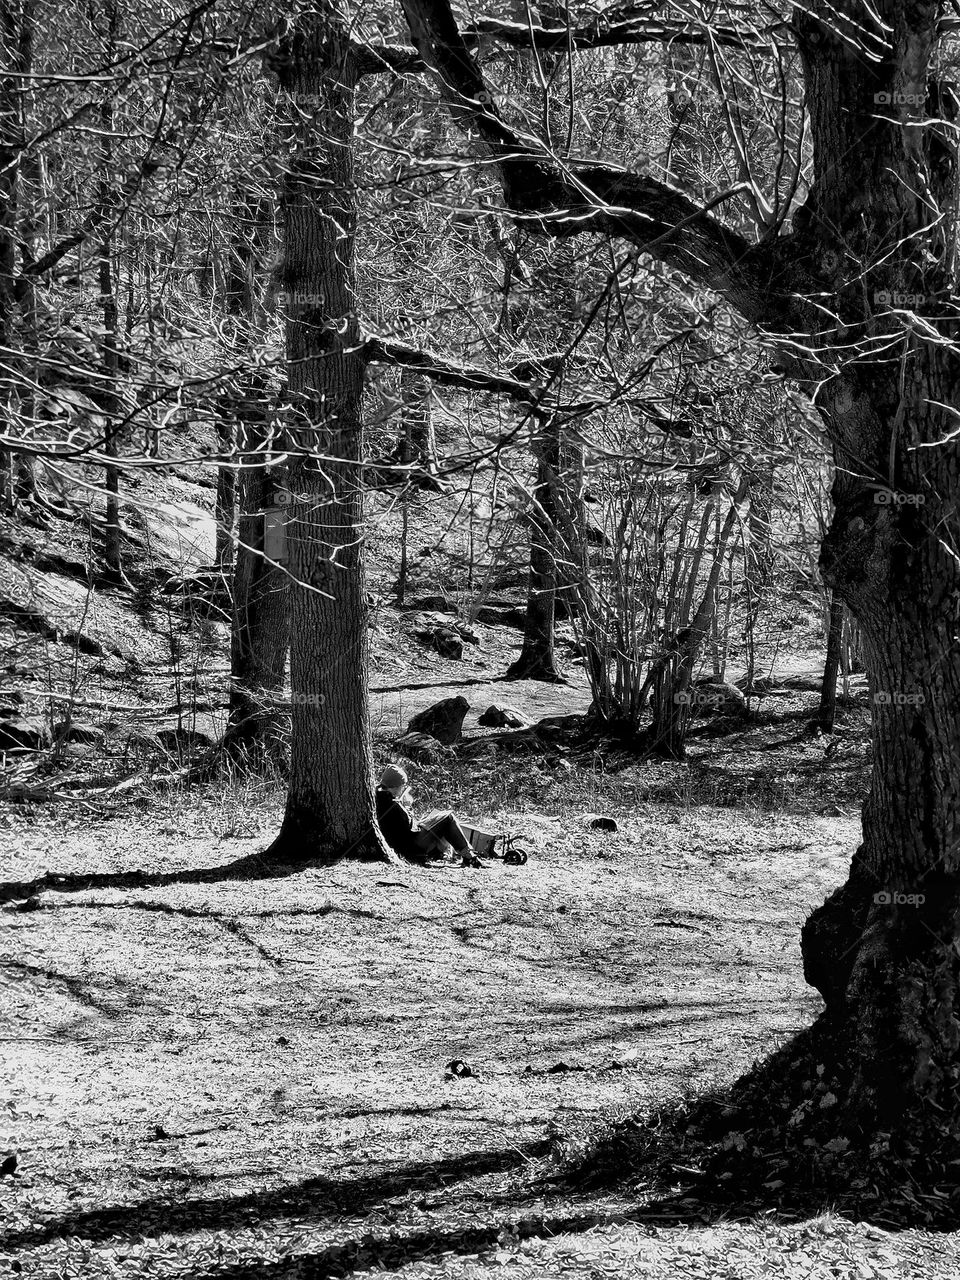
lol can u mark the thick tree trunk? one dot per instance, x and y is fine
(330, 807)
(883, 949)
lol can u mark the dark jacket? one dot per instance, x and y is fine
(396, 823)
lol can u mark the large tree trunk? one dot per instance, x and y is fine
(330, 808)
(883, 948)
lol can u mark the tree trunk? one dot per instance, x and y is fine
(110, 351)
(225, 503)
(330, 808)
(536, 660)
(16, 30)
(883, 948)
(246, 491)
(672, 697)
(827, 713)
(260, 625)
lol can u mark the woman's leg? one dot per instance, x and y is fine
(446, 827)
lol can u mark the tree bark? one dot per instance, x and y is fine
(330, 807)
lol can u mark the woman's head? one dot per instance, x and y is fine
(393, 779)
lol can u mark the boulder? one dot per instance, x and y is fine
(497, 717)
(178, 741)
(10, 704)
(443, 721)
(434, 604)
(758, 687)
(419, 747)
(444, 640)
(498, 616)
(23, 735)
(73, 732)
(718, 696)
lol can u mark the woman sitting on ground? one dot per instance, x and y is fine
(415, 841)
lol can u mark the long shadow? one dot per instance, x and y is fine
(249, 867)
(319, 1198)
(372, 1253)
(394, 1252)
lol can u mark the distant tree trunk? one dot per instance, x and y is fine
(536, 660)
(30, 201)
(9, 199)
(330, 808)
(225, 503)
(110, 351)
(827, 712)
(759, 558)
(246, 491)
(16, 39)
(417, 443)
(260, 629)
(673, 678)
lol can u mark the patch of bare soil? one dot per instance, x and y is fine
(249, 1077)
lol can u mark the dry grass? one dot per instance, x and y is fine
(249, 1075)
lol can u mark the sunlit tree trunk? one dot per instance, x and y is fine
(330, 809)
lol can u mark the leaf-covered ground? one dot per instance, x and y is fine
(247, 1077)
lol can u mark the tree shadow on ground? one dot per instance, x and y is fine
(690, 1165)
(319, 1198)
(250, 867)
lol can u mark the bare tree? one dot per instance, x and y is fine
(859, 292)
(329, 810)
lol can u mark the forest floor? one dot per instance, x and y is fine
(248, 1078)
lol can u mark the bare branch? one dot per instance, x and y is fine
(562, 198)
(446, 372)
